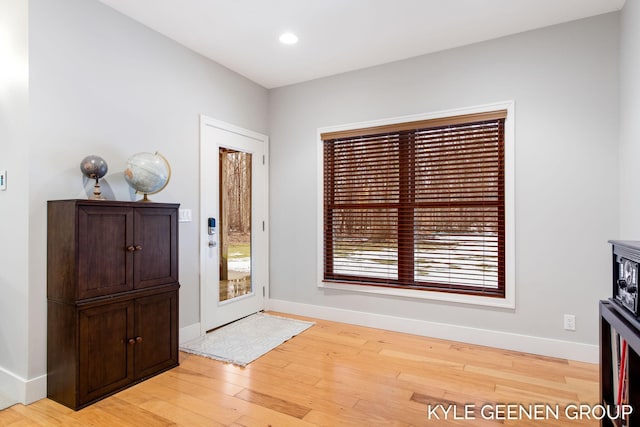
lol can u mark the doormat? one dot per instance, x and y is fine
(245, 340)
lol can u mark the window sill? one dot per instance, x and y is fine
(507, 302)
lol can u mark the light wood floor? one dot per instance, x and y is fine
(336, 374)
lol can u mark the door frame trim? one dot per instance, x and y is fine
(206, 121)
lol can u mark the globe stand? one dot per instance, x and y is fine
(144, 198)
(97, 194)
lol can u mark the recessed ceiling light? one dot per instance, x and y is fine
(288, 38)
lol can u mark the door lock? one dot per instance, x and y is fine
(211, 231)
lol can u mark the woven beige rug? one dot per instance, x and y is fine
(245, 340)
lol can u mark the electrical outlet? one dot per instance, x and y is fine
(569, 322)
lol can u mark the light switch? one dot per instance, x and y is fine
(3, 180)
(184, 215)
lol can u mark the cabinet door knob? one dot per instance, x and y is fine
(132, 341)
(138, 339)
(131, 248)
(138, 248)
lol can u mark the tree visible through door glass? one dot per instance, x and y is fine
(235, 223)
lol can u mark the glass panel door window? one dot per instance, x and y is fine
(235, 223)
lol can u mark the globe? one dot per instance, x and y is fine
(147, 173)
(94, 167)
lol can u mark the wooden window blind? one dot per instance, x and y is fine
(417, 205)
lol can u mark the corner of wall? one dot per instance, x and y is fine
(15, 389)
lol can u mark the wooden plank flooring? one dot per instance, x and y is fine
(335, 374)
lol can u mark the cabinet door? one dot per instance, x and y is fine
(105, 254)
(156, 242)
(105, 359)
(156, 334)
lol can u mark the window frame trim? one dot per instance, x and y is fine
(509, 197)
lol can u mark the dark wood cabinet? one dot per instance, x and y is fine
(112, 296)
(155, 323)
(614, 320)
(105, 362)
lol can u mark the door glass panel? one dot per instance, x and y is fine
(235, 223)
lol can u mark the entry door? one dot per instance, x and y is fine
(234, 238)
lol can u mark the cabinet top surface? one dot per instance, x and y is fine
(87, 202)
(632, 244)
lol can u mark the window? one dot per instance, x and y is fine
(417, 205)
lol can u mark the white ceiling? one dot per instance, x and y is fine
(341, 35)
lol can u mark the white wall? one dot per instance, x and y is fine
(564, 81)
(103, 84)
(630, 120)
(14, 208)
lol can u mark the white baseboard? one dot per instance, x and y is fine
(189, 333)
(35, 389)
(23, 391)
(19, 390)
(504, 340)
